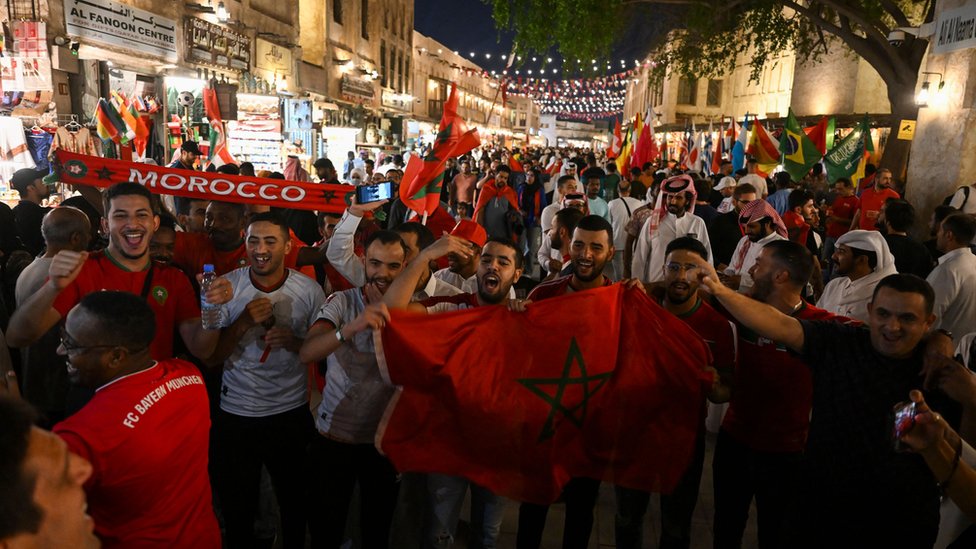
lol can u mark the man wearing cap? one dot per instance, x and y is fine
(726, 186)
(672, 217)
(760, 224)
(461, 269)
(861, 260)
(189, 151)
(29, 213)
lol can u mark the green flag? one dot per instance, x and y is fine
(842, 160)
(799, 152)
(831, 128)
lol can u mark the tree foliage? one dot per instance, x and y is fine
(711, 33)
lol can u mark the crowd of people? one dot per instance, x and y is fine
(130, 421)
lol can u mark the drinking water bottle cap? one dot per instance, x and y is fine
(208, 268)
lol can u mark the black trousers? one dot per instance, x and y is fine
(580, 496)
(677, 508)
(741, 474)
(240, 446)
(336, 468)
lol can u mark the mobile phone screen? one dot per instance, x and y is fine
(904, 419)
(373, 193)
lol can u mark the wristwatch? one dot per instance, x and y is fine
(339, 335)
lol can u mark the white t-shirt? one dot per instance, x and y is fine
(752, 253)
(619, 217)
(355, 393)
(259, 381)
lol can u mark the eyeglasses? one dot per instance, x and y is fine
(678, 267)
(71, 347)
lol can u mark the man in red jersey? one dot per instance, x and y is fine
(590, 253)
(765, 429)
(125, 266)
(145, 433)
(872, 199)
(680, 298)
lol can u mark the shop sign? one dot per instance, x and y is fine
(397, 101)
(211, 44)
(357, 88)
(955, 29)
(121, 25)
(272, 57)
(23, 74)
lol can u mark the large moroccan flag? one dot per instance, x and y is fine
(420, 187)
(844, 159)
(521, 402)
(764, 148)
(799, 152)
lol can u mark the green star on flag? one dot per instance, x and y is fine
(590, 384)
(799, 151)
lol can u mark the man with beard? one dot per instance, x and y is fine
(354, 399)
(765, 429)
(680, 298)
(495, 204)
(760, 224)
(861, 260)
(560, 239)
(263, 418)
(871, 201)
(222, 244)
(724, 232)
(590, 252)
(460, 270)
(672, 217)
(125, 265)
(499, 268)
(163, 240)
(145, 432)
(342, 255)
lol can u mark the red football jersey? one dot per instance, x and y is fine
(772, 391)
(147, 437)
(170, 295)
(717, 332)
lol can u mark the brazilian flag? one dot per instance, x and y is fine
(799, 152)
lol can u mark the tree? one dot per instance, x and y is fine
(711, 33)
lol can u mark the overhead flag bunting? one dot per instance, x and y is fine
(844, 159)
(799, 152)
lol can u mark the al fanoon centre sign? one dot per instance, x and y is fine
(123, 26)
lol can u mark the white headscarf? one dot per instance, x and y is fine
(871, 241)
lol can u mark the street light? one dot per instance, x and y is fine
(925, 95)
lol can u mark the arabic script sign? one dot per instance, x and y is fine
(121, 25)
(215, 45)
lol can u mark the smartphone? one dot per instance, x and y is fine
(374, 193)
(904, 420)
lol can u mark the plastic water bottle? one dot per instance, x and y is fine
(211, 315)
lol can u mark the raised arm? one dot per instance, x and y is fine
(341, 251)
(37, 315)
(757, 316)
(399, 293)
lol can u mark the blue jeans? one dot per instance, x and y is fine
(445, 495)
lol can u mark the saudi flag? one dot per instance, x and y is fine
(799, 152)
(843, 160)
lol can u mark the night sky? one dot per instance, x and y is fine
(467, 25)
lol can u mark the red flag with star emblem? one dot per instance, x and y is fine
(521, 402)
(420, 188)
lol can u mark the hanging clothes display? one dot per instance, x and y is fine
(14, 153)
(39, 143)
(74, 137)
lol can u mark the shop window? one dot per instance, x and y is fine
(687, 91)
(337, 11)
(364, 31)
(714, 98)
(521, 120)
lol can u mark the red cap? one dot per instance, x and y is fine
(470, 231)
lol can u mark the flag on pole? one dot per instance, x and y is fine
(421, 191)
(623, 161)
(636, 133)
(219, 153)
(567, 396)
(109, 125)
(719, 151)
(739, 145)
(618, 141)
(799, 152)
(695, 156)
(845, 159)
(764, 148)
